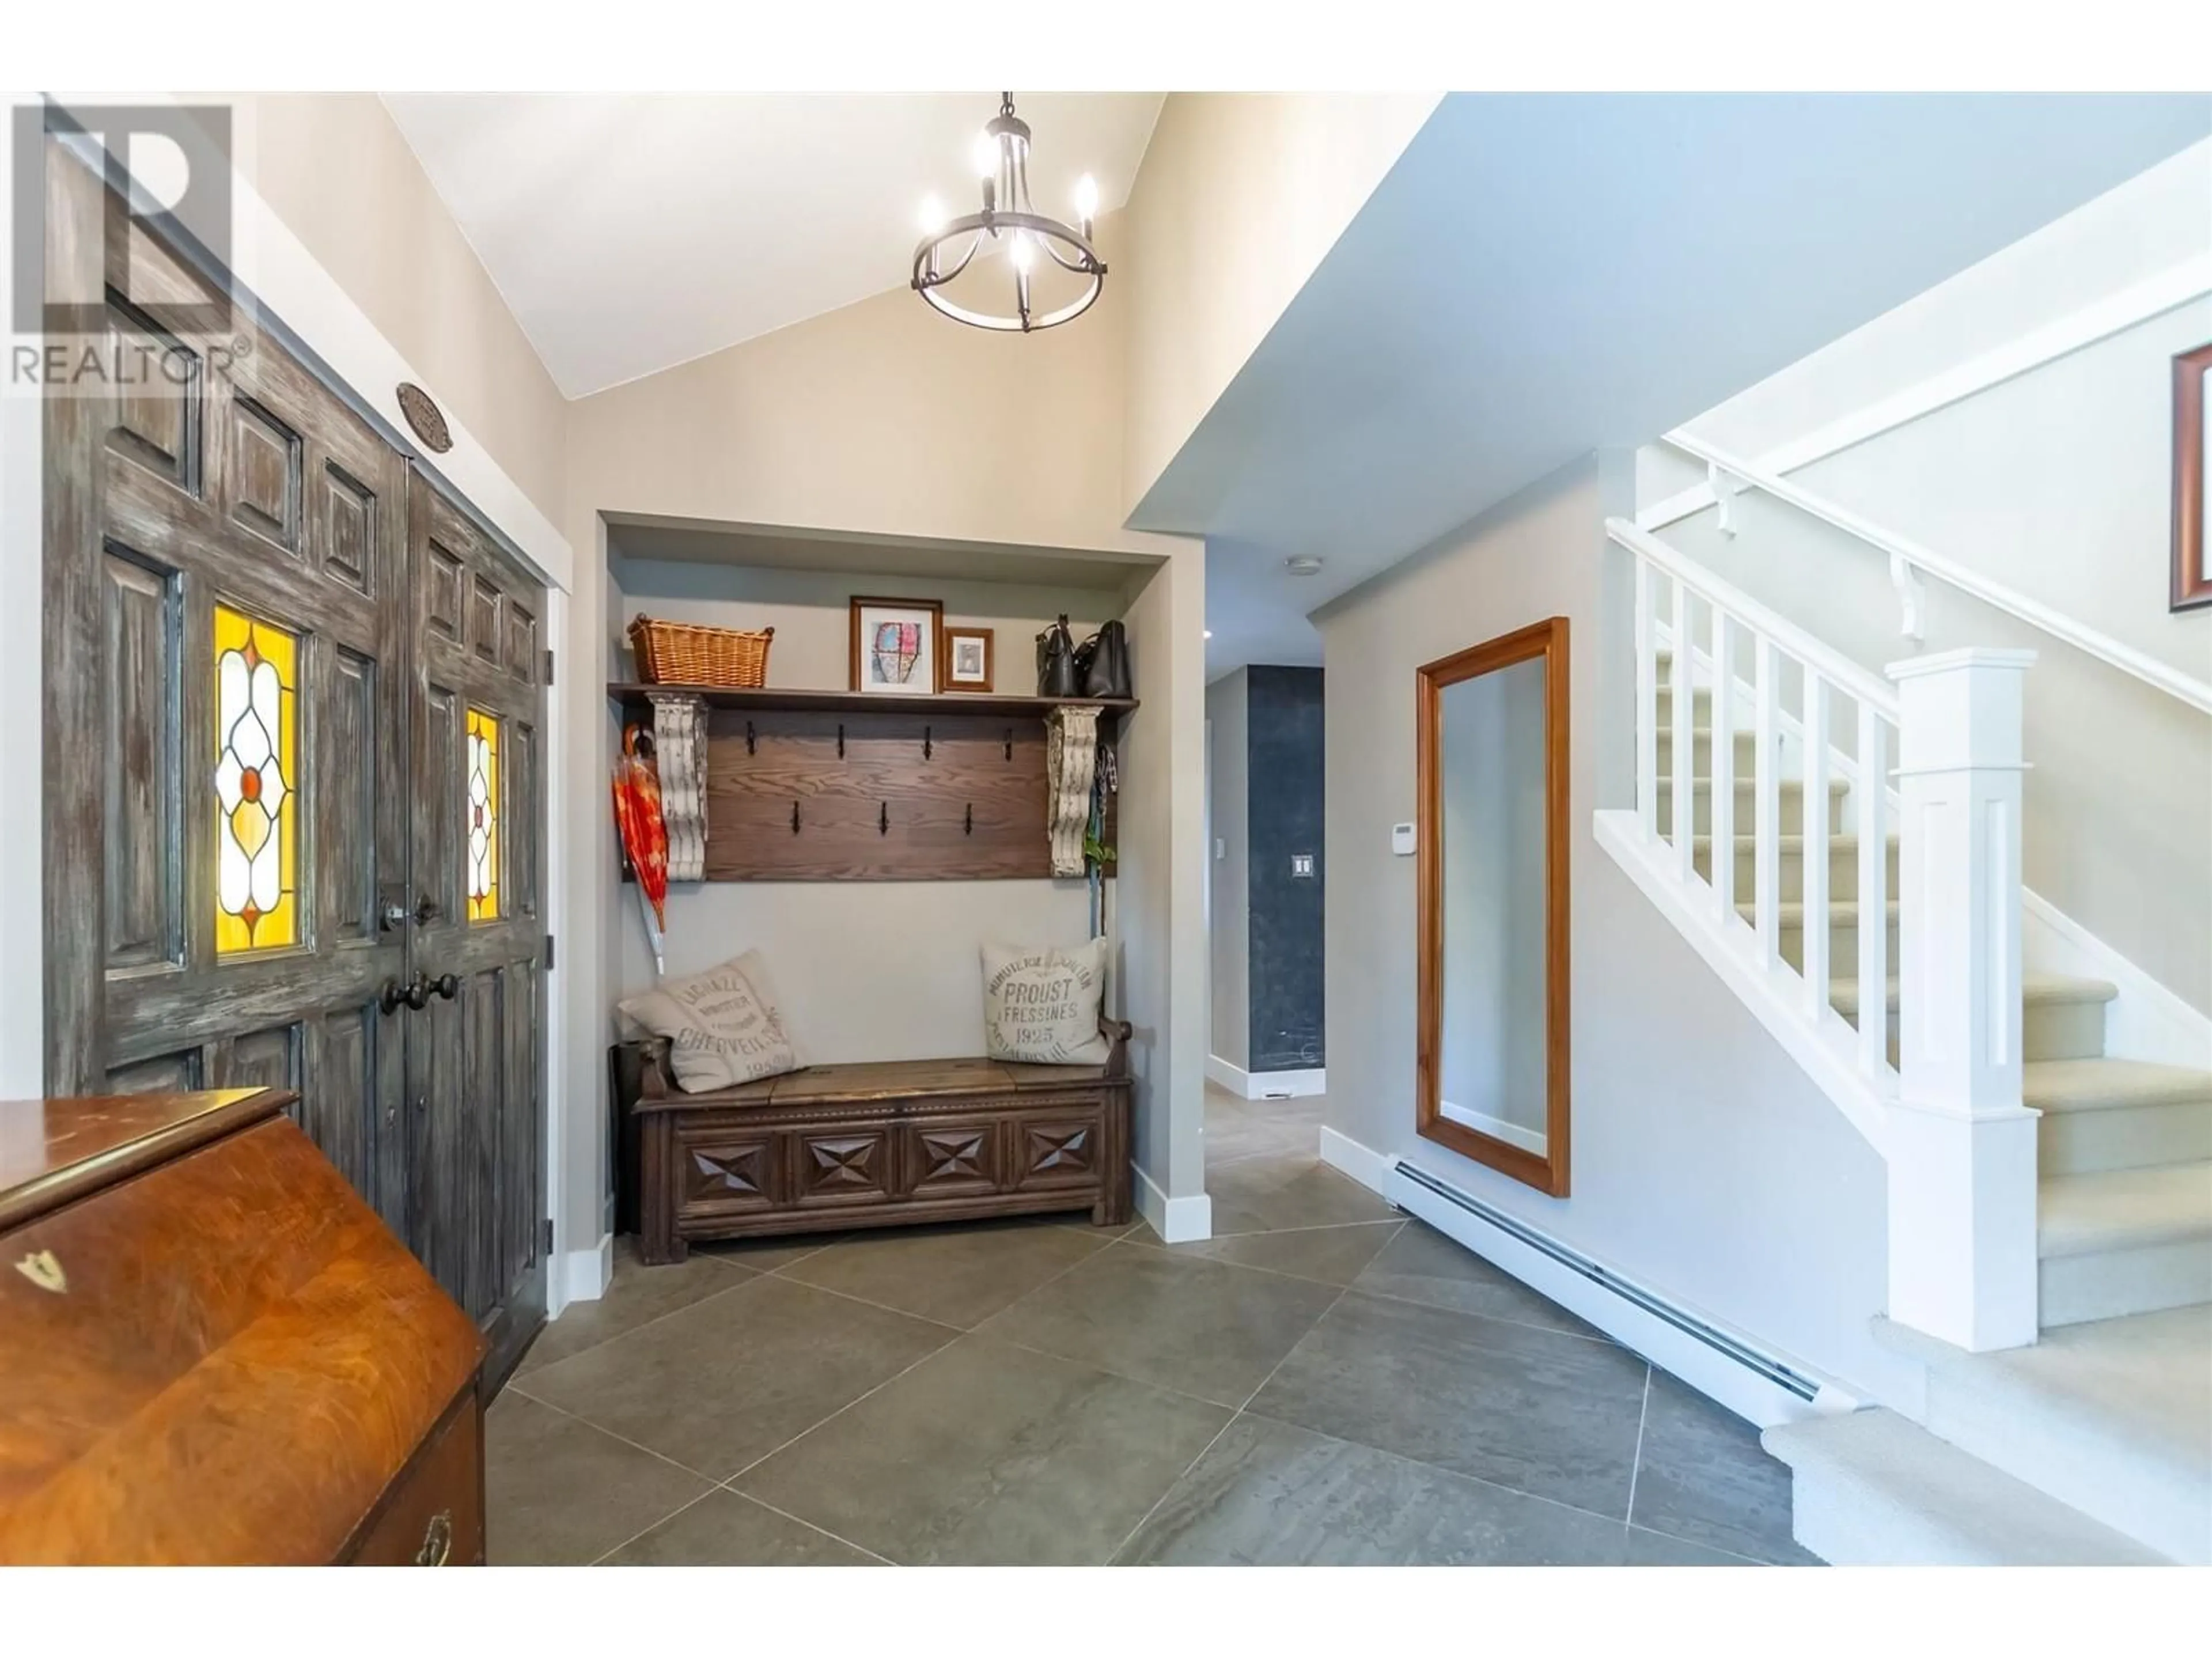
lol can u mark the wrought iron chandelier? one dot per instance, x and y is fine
(1002, 158)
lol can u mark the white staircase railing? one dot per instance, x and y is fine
(1908, 561)
(1947, 1116)
(1783, 660)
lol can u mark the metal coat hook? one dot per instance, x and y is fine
(967, 822)
(794, 817)
(882, 817)
(749, 738)
(1010, 743)
(928, 747)
(841, 740)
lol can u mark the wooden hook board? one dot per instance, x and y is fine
(893, 795)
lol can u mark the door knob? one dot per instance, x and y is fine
(417, 994)
(426, 909)
(392, 996)
(444, 986)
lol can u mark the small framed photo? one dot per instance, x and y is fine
(2192, 480)
(895, 646)
(968, 654)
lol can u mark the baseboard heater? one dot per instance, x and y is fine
(1720, 1341)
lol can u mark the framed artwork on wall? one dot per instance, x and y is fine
(2192, 467)
(968, 654)
(895, 646)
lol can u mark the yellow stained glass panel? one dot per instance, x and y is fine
(256, 679)
(482, 808)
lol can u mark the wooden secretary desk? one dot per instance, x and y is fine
(212, 1352)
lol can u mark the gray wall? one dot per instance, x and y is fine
(1228, 914)
(1285, 728)
(1705, 1163)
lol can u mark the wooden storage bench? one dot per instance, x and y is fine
(833, 1148)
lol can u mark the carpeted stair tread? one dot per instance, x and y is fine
(2124, 1209)
(1872, 1488)
(1844, 993)
(2107, 1084)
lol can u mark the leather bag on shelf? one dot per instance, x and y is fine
(1057, 675)
(1104, 660)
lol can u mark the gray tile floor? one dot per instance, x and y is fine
(1324, 1381)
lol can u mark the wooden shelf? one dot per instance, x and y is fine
(779, 699)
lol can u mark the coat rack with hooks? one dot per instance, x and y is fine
(809, 786)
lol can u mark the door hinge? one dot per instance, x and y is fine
(549, 952)
(549, 665)
(549, 1235)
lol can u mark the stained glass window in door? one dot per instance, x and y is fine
(484, 816)
(256, 783)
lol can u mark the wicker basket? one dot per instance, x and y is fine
(686, 653)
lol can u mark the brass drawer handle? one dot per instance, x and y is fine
(437, 1541)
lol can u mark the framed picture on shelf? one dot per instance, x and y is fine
(968, 654)
(2192, 471)
(895, 646)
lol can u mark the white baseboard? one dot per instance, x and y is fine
(1364, 1164)
(1176, 1220)
(584, 1275)
(2146, 1021)
(1266, 1086)
(1528, 1140)
(1744, 1392)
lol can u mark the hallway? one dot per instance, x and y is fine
(1323, 1381)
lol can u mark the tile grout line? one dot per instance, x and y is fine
(956, 1334)
(578, 1417)
(1636, 1466)
(1480, 1480)
(746, 1497)
(1168, 1491)
(1601, 1339)
(751, 1273)
(600, 1560)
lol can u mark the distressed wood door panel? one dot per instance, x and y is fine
(192, 490)
(475, 805)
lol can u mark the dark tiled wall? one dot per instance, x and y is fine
(1283, 787)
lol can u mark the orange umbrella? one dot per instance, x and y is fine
(644, 835)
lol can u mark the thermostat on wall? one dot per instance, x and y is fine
(1402, 840)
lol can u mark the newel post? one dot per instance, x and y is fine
(1961, 1147)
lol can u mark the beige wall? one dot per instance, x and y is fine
(335, 168)
(1705, 1163)
(1240, 196)
(867, 970)
(884, 419)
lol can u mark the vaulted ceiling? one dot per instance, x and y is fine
(632, 232)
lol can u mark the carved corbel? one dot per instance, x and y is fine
(679, 738)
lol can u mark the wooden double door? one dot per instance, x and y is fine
(293, 769)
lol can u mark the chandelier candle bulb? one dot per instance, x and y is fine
(1086, 201)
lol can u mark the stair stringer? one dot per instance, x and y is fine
(1827, 1048)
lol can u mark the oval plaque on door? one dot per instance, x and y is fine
(427, 419)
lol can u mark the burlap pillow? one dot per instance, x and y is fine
(1041, 1005)
(724, 1026)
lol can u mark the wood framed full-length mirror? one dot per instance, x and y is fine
(1492, 1075)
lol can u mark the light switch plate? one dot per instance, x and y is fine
(1302, 867)
(1402, 840)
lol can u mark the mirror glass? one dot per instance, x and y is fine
(1491, 745)
(1491, 1075)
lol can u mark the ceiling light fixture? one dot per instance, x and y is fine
(1303, 564)
(1002, 161)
